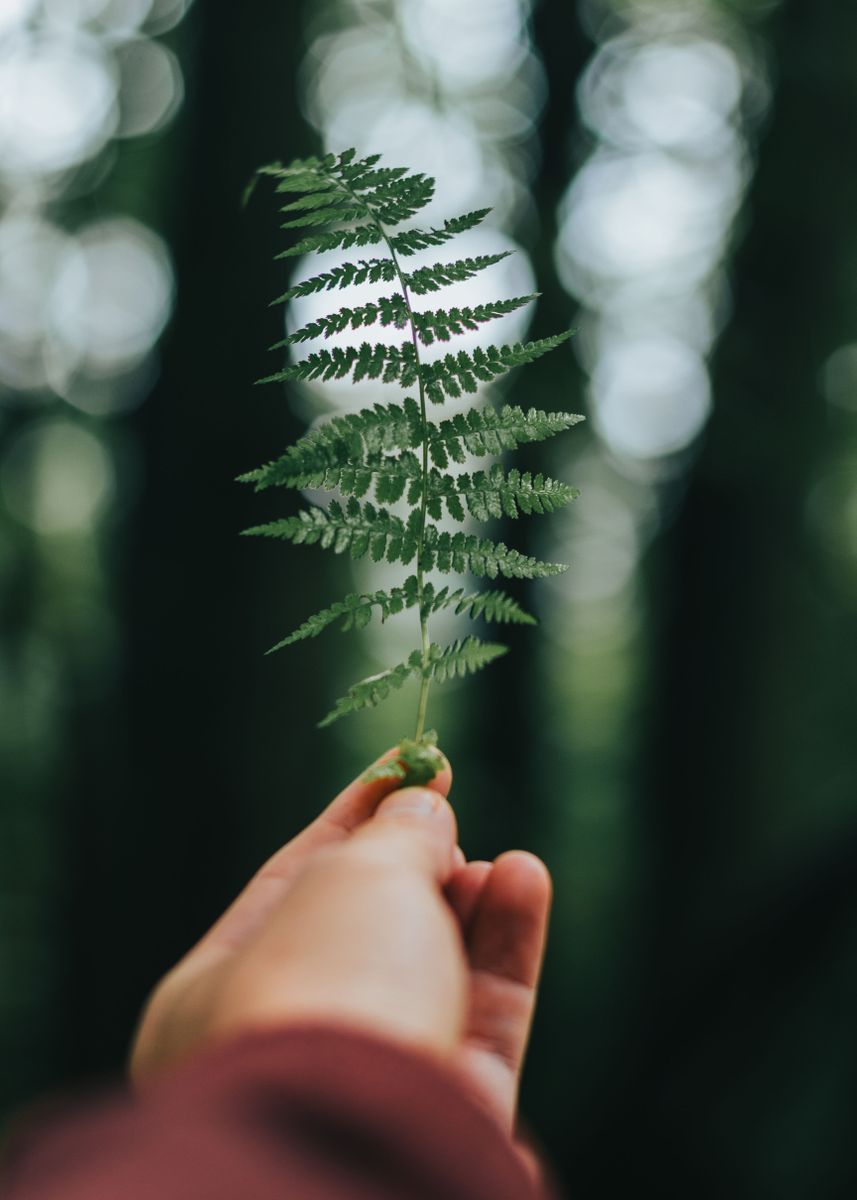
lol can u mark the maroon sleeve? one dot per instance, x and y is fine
(311, 1113)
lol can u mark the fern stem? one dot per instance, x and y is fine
(425, 643)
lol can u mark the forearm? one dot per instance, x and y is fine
(311, 1112)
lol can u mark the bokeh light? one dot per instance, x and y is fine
(57, 101)
(645, 224)
(86, 288)
(94, 303)
(839, 378)
(114, 296)
(57, 478)
(13, 14)
(33, 252)
(468, 46)
(151, 86)
(651, 396)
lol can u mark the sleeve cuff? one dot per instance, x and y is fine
(350, 1092)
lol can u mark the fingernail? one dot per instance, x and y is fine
(414, 800)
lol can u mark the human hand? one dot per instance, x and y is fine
(370, 918)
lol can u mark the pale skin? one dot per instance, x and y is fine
(371, 919)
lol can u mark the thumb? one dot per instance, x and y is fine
(413, 827)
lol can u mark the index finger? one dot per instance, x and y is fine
(359, 801)
(345, 814)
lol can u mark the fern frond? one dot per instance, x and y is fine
(363, 176)
(393, 450)
(356, 528)
(460, 372)
(444, 662)
(397, 200)
(354, 437)
(314, 200)
(461, 658)
(497, 607)
(411, 241)
(398, 364)
(391, 364)
(338, 239)
(334, 214)
(356, 611)
(348, 439)
(390, 477)
(440, 275)
(485, 495)
(302, 175)
(441, 325)
(494, 493)
(388, 310)
(370, 692)
(492, 431)
(367, 270)
(445, 552)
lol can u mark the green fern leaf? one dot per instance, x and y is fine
(323, 216)
(370, 692)
(493, 493)
(393, 450)
(355, 528)
(496, 607)
(411, 241)
(440, 275)
(400, 199)
(460, 372)
(391, 364)
(303, 175)
(388, 310)
(389, 476)
(442, 325)
(371, 270)
(340, 239)
(364, 176)
(299, 176)
(349, 439)
(493, 431)
(445, 552)
(315, 200)
(462, 658)
(356, 611)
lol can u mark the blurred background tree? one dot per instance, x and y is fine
(676, 740)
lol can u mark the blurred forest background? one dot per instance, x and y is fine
(678, 738)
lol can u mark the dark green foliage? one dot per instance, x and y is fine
(441, 325)
(439, 275)
(372, 270)
(489, 606)
(440, 663)
(463, 372)
(491, 431)
(356, 611)
(392, 452)
(391, 427)
(443, 551)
